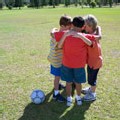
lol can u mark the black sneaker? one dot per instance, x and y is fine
(59, 98)
(61, 86)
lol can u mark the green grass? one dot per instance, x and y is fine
(24, 46)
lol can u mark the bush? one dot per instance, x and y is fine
(93, 4)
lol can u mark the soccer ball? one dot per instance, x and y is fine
(37, 96)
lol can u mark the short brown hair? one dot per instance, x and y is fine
(65, 20)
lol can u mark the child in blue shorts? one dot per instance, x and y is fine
(55, 56)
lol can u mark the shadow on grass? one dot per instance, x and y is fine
(52, 110)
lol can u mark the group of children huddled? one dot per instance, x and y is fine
(72, 46)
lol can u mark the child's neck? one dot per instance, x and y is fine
(63, 28)
(77, 29)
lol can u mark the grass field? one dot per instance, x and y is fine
(24, 46)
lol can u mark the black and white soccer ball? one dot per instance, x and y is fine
(37, 96)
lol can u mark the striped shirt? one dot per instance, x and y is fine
(55, 54)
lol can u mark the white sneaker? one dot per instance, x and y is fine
(79, 102)
(86, 90)
(90, 97)
(69, 103)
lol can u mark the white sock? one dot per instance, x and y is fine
(78, 97)
(56, 92)
(69, 98)
(94, 94)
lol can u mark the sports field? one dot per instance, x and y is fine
(24, 46)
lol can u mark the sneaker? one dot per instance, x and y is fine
(90, 97)
(69, 103)
(61, 86)
(86, 90)
(59, 98)
(79, 102)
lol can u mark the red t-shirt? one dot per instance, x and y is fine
(94, 56)
(74, 51)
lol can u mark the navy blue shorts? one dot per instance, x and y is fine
(55, 71)
(76, 75)
(92, 76)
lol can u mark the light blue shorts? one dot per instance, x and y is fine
(55, 71)
(76, 75)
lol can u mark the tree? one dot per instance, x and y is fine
(1, 4)
(110, 3)
(52, 3)
(18, 3)
(10, 3)
(76, 2)
(67, 2)
(93, 4)
(32, 4)
(88, 2)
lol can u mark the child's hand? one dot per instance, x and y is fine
(54, 30)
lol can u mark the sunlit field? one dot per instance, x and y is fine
(24, 46)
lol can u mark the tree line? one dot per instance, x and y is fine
(41, 3)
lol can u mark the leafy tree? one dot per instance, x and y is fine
(44, 2)
(37, 3)
(88, 2)
(93, 4)
(18, 3)
(52, 3)
(110, 3)
(99, 3)
(67, 2)
(76, 2)
(1, 4)
(10, 3)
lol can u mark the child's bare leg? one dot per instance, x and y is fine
(93, 88)
(78, 88)
(68, 88)
(68, 92)
(56, 95)
(56, 82)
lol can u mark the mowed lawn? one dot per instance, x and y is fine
(24, 46)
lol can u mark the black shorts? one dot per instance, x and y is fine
(92, 76)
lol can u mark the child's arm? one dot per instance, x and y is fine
(85, 39)
(61, 42)
(98, 33)
(53, 31)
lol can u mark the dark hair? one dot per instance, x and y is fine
(78, 22)
(65, 20)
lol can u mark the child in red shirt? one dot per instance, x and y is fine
(94, 58)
